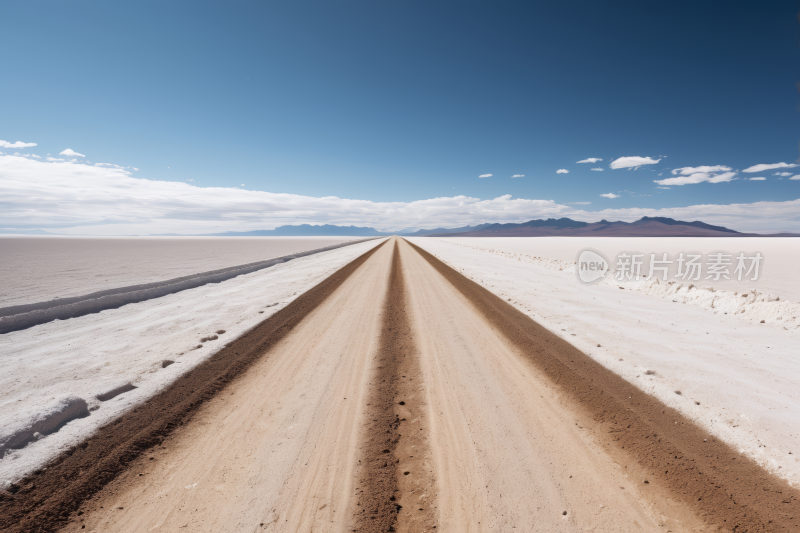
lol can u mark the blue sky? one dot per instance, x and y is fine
(405, 102)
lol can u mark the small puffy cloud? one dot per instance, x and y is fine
(485, 176)
(610, 195)
(71, 153)
(579, 203)
(698, 177)
(693, 170)
(793, 178)
(518, 176)
(18, 144)
(665, 188)
(633, 161)
(763, 167)
(590, 160)
(54, 159)
(757, 179)
(783, 174)
(597, 169)
(562, 171)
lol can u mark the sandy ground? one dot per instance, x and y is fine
(502, 446)
(280, 446)
(38, 269)
(513, 429)
(507, 453)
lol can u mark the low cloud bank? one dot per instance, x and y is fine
(75, 198)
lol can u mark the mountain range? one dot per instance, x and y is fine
(644, 227)
(551, 227)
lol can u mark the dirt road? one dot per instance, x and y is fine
(408, 398)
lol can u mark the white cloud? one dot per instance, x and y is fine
(75, 198)
(562, 171)
(18, 144)
(633, 161)
(590, 160)
(783, 174)
(665, 188)
(698, 177)
(793, 178)
(610, 195)
(757, 179)
(518, 176)
(579, 203)
(54, 159)
(70, 152)
(485, 176)
(694, 170)
(763, 167)
(597, 169)
(109, 200)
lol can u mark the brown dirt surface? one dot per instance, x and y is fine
(398, 395)
(44, 501)
(278, 448)
(395, 491)
(726, 489)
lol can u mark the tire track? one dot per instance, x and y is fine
(726, 489)
(396, 489)
(44, 501)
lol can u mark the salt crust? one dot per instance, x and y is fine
(738, 378)
(72, 362)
